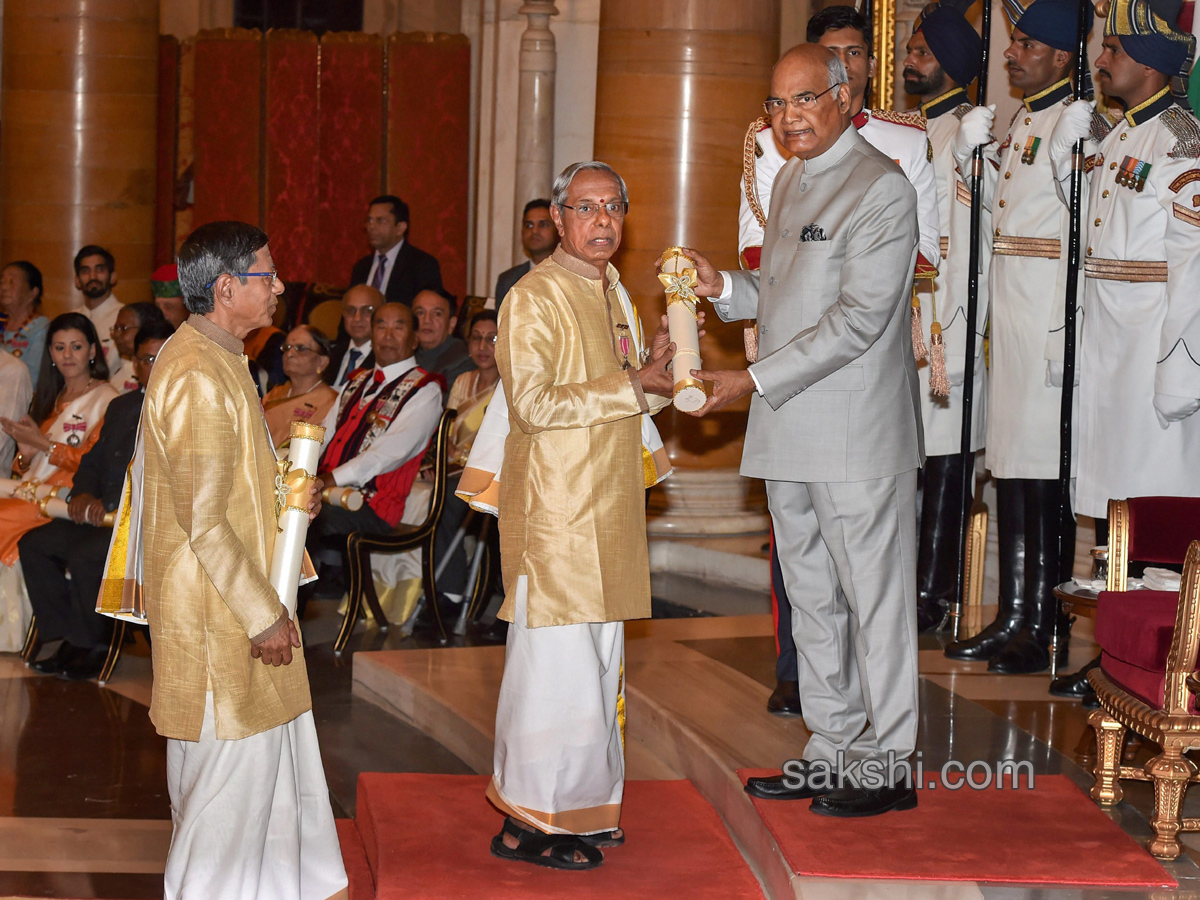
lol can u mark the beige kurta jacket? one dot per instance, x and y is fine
(208, 527)
(572, 499)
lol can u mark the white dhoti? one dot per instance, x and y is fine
(560, 722)
(252, 817)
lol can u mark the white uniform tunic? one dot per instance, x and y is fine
(905, 143)
(1141, 335)
(1028, 291)
(942, 416)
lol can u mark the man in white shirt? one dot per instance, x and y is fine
(377, 432)
(130, 320)
(353, 351)
(95, 277)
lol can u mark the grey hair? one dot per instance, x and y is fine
(211, 251)
(563, 182)
(836, 70)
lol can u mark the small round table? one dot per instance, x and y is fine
(1075, 600)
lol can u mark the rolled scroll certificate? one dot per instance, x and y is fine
(57, 508)
(343, 498)
(678, 275)
(33, 491)
(291, 504)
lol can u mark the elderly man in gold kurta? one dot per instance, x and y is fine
(248, 794)
(572, 531)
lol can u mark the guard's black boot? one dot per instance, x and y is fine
(1029, 650)
(942, 509)
(1010, 532)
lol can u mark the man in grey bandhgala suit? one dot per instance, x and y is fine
(835, 430)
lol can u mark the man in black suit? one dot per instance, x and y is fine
(539, 237)
(352, 350)
(396, 268)
(66, 607)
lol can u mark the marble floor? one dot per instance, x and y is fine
(84, 813)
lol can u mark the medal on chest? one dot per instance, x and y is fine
(1133, 174)
(75, 430)
(1029, 154)
(624, 342)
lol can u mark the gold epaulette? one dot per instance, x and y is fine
(750, 154)
(911, 119)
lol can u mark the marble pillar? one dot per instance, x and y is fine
(678, 81)
(535, 111)
(79, 105)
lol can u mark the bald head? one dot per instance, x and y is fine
(808, 84)
(358, 304)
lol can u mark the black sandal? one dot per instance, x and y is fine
(604, 838)
(532, 844)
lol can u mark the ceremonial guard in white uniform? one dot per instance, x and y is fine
(901, 138)
(943, 56)
(1028, 293)
(1140, 347)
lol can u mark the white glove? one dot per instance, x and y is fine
(1172, 409)
(1054, 373)
(975, 130)
(1074, 124)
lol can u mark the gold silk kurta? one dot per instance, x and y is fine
(572, 497)
(208, 527)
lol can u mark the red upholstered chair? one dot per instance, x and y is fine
(1149, 642)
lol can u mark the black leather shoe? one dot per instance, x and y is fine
(785, 699)
(53, 664)
(85, 666)
(1074, 686)
(930, 618)
(854, 803)
(773, 788)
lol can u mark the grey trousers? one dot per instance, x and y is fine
(848, 551)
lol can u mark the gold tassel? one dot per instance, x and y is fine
(939, 382)
(918, 332)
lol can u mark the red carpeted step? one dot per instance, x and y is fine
(1053, 834)
(427, 836)
(354, 855)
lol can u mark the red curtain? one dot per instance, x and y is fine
(351, 162)
(292, 145)
(429, 92)
(228, 126)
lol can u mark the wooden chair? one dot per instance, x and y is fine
(1136, 695)
(32, 645)
(360, 546)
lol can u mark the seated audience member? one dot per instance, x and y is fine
(130, 321)
(395, 267)
(63, 423)
(352, 350)
(439, 351)
(63, 560)
(470, 395)
(264, 348)
(16, 390)
(304, 396)
(24, 334)
(168, 295)
(377, 432)
(539, 237)
(95, 277)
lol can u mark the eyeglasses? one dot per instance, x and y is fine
(356, 312)
(121, 329)
(299, 348)
(273, 275)
(482, 339)
(616, 209)
(808, 100)
(147, 360)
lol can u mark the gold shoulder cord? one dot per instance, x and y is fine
(749, 168)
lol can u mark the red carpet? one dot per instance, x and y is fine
(354, 855)
(427, 836)
(1053, 834)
